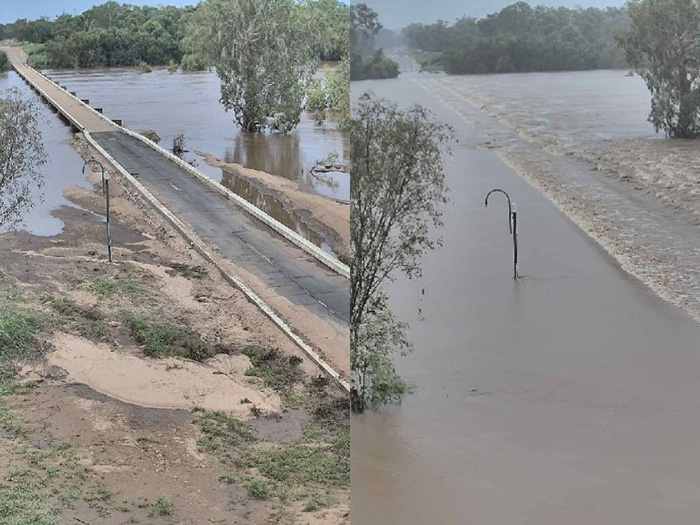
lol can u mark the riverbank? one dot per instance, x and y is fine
(329, 218)
(155, 391)
(635, 195)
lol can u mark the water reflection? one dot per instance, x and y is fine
(188, 103)
(272, 207)
(63, 167)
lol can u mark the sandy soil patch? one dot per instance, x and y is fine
(165, 383)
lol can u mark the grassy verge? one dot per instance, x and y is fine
(36, 55)
(310, 470)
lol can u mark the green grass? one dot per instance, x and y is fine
(116, 286)
(165, 339)
(301, 464)
(221, 431)
(161, 507)
(277, 370)
(36, 54)
(317, 501)
(87, 322)
(258, 488)
(19, 328)
(22, 503)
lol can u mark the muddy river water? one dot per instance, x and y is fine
(188, 104)
(569, 396)
(63, 167)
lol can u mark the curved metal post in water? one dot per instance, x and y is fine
(512, 226)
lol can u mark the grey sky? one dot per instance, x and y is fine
(394, 14)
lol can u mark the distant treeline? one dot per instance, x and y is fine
(116, 34)
(523, 38)
(367, 59)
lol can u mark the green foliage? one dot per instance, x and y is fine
(36, 55)
(331, 94)
(221, 431)
(375, 66)
(258, 488)
(396, 199)
(19, 327)
(161, 507)
(164, 339)
(663, 43)
(525, 38)
(192, 62)
(327, 24)
(262, 56)
(116, 286)
(110, 34)
(21, 155)
(364, 25)
(430, 61)
(277, 370)
(21, 503)
(302, 464)
(5, 64)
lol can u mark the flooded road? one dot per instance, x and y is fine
(569, 396)
(188, 104)
(63, 168)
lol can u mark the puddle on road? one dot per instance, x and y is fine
(274, 208)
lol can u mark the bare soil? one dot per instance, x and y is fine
(129, 418)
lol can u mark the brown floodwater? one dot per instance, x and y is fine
(188, 104)
(569, 396)
(63, 168)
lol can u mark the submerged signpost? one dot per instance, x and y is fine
(512, 226)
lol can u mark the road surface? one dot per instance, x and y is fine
(569, 397)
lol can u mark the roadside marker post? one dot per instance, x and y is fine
(105, 194)
(512, 226)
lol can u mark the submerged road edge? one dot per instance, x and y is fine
(317, 253)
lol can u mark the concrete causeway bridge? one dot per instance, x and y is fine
(311, 283)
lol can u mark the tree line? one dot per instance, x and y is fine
(523, 38)
(114, 34)
(367, 60)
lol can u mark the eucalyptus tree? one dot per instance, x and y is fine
(663, 42)
(262, 57)
(397, 194)
(21, 155)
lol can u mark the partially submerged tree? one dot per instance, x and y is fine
(21, 156)
(663, 42)
(261, 56)
(397, 193)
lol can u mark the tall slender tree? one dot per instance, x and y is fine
(397, 193)
(21, 156)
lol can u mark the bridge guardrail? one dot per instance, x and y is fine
(328, 260)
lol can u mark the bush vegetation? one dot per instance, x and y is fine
(524, 38)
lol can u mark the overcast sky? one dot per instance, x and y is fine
(395, 14)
